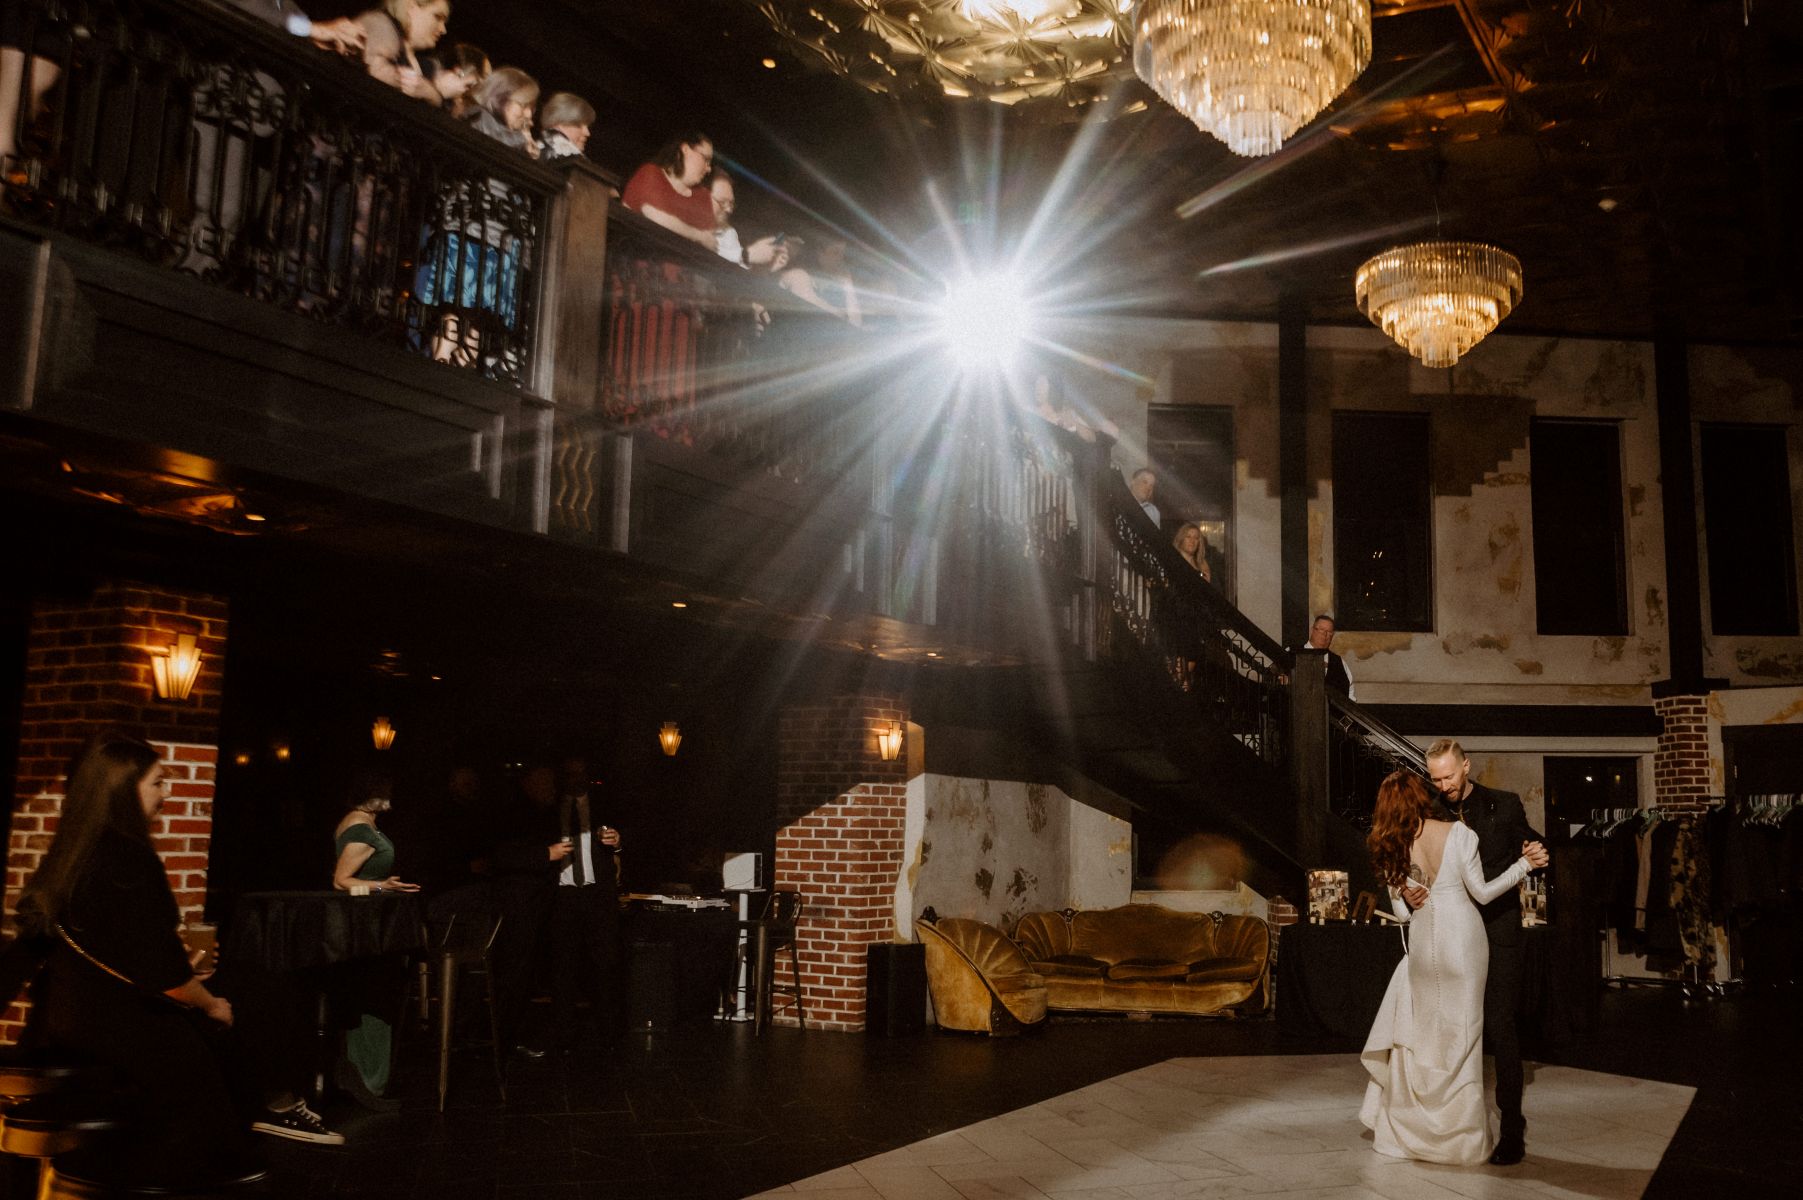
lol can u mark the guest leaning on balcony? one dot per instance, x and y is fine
(460, 70)
(668, 190)
(563, 125)
(118, 988)
(366, 859)
(503, 106)
(396, 35)
(471, 266)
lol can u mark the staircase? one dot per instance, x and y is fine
(1142, 677)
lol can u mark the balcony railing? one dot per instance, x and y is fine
(211, 144)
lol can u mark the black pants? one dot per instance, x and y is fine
(1502, 1004)
(585, 939)
(525, 907)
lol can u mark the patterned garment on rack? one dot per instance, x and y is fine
(1690, 898)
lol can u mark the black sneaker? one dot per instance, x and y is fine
(300, 1124)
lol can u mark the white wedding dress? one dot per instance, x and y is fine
(1426, 1099)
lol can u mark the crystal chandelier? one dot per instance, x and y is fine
(1439, 299)
(1251, 72)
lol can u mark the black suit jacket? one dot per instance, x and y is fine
(1501, 825)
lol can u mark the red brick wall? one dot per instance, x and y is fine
(87, 668)
(1681, 762)
(844, 811)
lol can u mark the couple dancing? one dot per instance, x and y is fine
(1453, 881)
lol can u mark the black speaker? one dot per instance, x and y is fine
(895, 989)
(651, 986)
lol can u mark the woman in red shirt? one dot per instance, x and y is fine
(668, 190)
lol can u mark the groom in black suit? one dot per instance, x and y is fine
(1503, 835)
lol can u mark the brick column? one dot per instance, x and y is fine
(87, 668)
(1681, 762)
(843, 811)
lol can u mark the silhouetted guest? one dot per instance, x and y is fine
(118, 988)
(669, 189)
(585, 909)
(460, 70)
(527, 854)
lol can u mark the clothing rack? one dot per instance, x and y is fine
(1604, 823)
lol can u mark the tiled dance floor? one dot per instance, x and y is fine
(1266, 1125)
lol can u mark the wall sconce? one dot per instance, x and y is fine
(382, 733)
(282, 752)
(175, 667)
(889, 743)
(669, 737)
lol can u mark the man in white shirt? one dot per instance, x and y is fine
(766, 252)
(585, 909)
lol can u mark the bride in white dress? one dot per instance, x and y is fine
(1426, 1098)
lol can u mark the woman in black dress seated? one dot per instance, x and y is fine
(118, 988)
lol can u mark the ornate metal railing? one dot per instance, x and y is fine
(209, 143)
(1210, 651)
(699, 351)
(1361, 751)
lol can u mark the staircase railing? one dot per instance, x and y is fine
(1361, 751)
(1213, 655)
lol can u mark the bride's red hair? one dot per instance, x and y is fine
(1402, 804)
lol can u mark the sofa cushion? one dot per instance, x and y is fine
(1071, 964)
(1142, 931)
(1148, 968)
(1223, 970)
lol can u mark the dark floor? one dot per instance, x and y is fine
(716, 1113)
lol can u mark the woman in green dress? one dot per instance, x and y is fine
(365, 859)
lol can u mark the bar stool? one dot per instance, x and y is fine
(88, 1175)
(463, 947)
(775, 931)
(49, 1106)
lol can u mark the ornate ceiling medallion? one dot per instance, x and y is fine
(1067, 52)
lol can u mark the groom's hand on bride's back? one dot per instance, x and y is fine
(1414, 895)
(1535, 853)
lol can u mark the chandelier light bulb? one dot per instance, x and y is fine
(1439, 299)
(1251, 72)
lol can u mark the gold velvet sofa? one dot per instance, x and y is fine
(978, 979)
(1148, 958)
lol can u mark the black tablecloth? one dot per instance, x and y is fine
(1331, 980)
(291, 931)
(703, 950)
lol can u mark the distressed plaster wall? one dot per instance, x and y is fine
(1484, 647)
(1751, 386)
(1747, 706)
(996, 849)
(1239, 360)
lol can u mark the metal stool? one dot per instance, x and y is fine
(49, 1106)
(459, 949)
(86, 1175)
(775, 931)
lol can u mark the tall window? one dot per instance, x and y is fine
(1382, 526)
(1747, 521)
(1580, 559)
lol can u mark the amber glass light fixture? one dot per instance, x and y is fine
(669, 736)
(1439, 299)
(175, 667)
(381, 732)
(1251, 72)
(889, 743)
